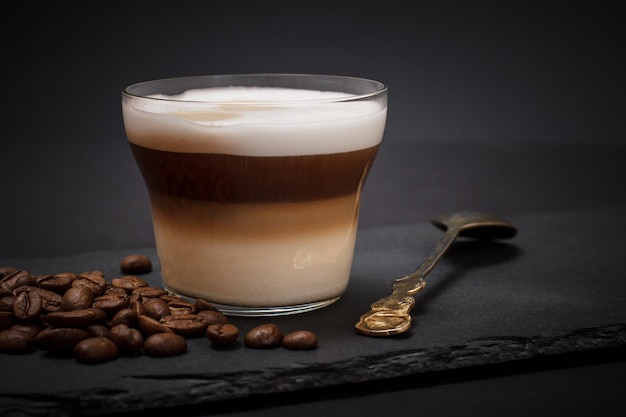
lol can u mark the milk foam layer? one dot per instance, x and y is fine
(255, 122)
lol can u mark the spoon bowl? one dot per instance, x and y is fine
(476, 225)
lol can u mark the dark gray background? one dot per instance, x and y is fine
(512, 107)
(509, 80)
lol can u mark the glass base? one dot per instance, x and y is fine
(243, 311)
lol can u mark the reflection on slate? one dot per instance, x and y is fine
(557, 287)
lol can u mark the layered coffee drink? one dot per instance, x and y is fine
(255, 191)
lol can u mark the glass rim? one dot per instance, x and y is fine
(378, 88)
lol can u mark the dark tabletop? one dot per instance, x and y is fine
(511, 109)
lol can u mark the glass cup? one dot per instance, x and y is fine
(255, 183)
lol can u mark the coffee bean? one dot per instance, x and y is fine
(15, 279)
(27, 306)
(136, 264)
(59, 338)
(112, 303)
(115, 291)
(15, 341)
(212, 317)
(149, 292)
(100, 315)
(77, 298)
(300, 340)
(202, 305)
(58, 283)
(75, 318)
(6, 270)
(95, 350)
(136, 304)
(157, 308)
(264, 336)
(187, 325)
(50, 301)
(30, 329)
(178, 305)
(98, 330)
(129, 283)
(126, 316)
(222, 335)
(149, 326)
(128, 339)
(165, 344)
(94, 280)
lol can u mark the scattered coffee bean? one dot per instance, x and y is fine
(202, 305)
(128, 339)
(165, 344)
(75, 318)
(150, 326)
(136, 264)
(115, 291)
(178, 305)
(149, 292)
(136, 304)
(185, 324)
(126, 316)
(98, 330)
(95, 350)
(212, 317)
(15, 341)
(77, 298)
(222, 334)
(129, 283)
(264, 336)
(6, 270)
(112, 303)
(58, 283)
(94, 280)
(29, 329)
(157, 308)
(300, 340)
(101, 316)
(50, 301)
(14, 279)
(97, 321)
(58, 339)
(27, 306)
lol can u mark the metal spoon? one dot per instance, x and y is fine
(390, 315)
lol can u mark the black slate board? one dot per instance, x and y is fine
(558, 287)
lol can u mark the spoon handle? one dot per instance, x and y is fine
(400, 299)
(413, 283)
(390, 315)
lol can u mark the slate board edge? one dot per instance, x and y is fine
(205, 388)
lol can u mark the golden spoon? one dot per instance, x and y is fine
(390, 315)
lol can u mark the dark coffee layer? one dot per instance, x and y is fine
(252, 179)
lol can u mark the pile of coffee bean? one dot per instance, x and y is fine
(85, 315)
